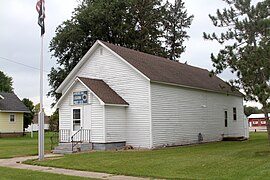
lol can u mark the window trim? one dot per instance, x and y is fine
(226, 118)
(255, 122)
(263, 122)
(234, 113)
(14, 115)
(72, 122)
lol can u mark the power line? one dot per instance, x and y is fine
(25, 65)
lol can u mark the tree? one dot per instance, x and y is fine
(54, 121)
(135, 24)
(37, 109)
(28, 117)
(248, 110)
(175, 22)
(247, 49)
(5, 83)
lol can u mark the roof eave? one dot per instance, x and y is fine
(77, 67)
(119, 105)
(77, 79)
(83, 60)
(14, 111)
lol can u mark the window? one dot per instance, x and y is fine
(226, 118)
(234, 113)
(263, 122)
(76, 119)
(255, 122)
(11, 118)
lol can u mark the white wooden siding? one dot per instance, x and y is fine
(65, 114)
(92, 116)
(115, 119)
(179, 114)
(130, 85)
(97, 126)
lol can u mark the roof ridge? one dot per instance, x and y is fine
(160, 69)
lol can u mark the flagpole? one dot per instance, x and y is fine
(41, 113)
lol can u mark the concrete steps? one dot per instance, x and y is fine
(66, 148)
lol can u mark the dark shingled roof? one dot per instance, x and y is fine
(103, 91)
(12, 103)
(164, 70)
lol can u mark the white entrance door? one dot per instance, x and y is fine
(76, 122)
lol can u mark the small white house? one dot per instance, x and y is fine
(34, 125)
(118, 96)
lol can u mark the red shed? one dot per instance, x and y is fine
(257, 122)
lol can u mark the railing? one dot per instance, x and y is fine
(82, 135)
(64, 135)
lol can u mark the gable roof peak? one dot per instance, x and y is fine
(11, 103)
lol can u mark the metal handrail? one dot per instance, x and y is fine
(83, 134)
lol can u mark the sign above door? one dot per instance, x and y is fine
(80, 97)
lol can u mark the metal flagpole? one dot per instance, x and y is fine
(41, 113)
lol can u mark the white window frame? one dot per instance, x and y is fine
(72, 122)
(14, 115)
(255, 122)
(234, 114)
(263, 122)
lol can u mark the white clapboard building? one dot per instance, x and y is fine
(116, 96)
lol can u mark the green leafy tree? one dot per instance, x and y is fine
(5, 83)
(54, 121)
(37, 108)
(28, 117)
(175, 22)
(135, 24)
(248, 110)
(247, 48)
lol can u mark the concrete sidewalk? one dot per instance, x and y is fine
(16, 163)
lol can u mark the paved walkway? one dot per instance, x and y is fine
(16, 163)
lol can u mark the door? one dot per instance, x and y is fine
(76, 121)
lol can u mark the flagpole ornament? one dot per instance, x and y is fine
(40, 7)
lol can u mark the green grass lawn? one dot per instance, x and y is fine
(219, 160)
(11, 174)
(22, 146)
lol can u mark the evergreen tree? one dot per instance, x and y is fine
(5, 83)
(247, 47)
(175, 22)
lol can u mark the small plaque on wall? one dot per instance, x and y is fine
(80, 97)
